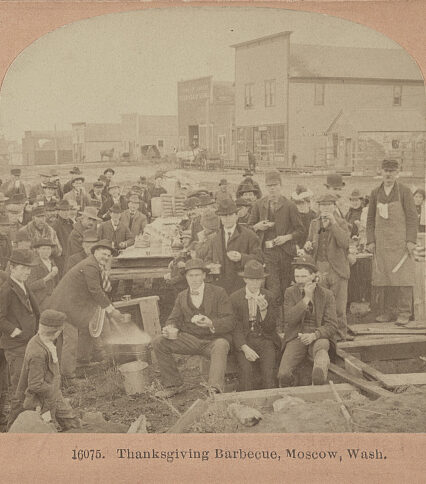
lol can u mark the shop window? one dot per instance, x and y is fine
(221, 140)
(397, 95)
(248, 95)
(335, 145)
(319, 94)
(278, 137)
(270, 93)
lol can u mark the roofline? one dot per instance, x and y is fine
(355, 79)
(261, 39)
(196, 78)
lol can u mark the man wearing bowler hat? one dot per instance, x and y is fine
(19, 312)
(255, 338)
(81, 291)
(75, 170)
(391, 237)
(276, 221)
(114, 198)
(335, 185)
(88, 220)
(114, 230)
(232, 247)
(132, 217)
(310, 324)
(200, 323)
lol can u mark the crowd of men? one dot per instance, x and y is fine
(251, 266)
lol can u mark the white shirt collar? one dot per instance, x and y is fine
(20, 284)
(231, 230)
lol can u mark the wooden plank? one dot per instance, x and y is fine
(267, 397)
(367, 369)
(136, 274)
(194, 412)
(397, 379)
(388, 328)
(133, 302)
(150, 315)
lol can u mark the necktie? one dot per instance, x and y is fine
(228, 236)
(106, 284)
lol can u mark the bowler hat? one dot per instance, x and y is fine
(195, 264)
(109, 170)
(98, 184)
(103, 244)
(38, 211)
(334, 180)
(305, 261)
(210, 221)
(223, 181)
(52, 318)
(15, 171)
(75, 171)
(91, 212)
(63, 205)
(247, 187)
(356, 194)
(3, 198)
(240, 202)
(226, 207)
(253, 270)
(75, 178)
(115, 208)
(327, 198)
(42, 243)
(90, 236)
(22, 257)
(390, 164)
(4, 219)
(205, 200)
(272, 177)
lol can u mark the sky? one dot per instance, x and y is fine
(96, 69)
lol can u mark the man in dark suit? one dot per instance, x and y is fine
(277, 222)
(132, 217)
(19, 313)
(200, 323)
(232, 247)
(63, 227)
(86, 221)
(114, 198)
(310, 324)
(255, 338)
(79, 294)
(90, 237)
(115, 230)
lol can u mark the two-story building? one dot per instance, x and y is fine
(47, 147)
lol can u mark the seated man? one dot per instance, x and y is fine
(310, 324)
(255, 337)
(200, 323)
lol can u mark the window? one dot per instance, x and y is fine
(221, 140)
(160, 143)
(319, 94)
(248, 95)
(270, 93)
(397, 95)
(335, 145)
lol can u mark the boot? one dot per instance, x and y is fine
(320, 370)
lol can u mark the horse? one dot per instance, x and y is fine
(108, 153)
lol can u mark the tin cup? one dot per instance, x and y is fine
(172, 333)
(269, 244)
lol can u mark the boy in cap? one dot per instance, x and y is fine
(19, 312)
(310, 324)
(391, 237)
(39, 386)
(200, 323)
(255, 338)
(232, 247)
(276, 221)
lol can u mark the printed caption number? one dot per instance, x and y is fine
(87, 454)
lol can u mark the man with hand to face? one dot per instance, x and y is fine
(255, 337)
(310, 324)
(200, 323)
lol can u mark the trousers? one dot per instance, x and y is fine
(398, 300)
(294, 353)
(188, 344)
(15, 360)
(267, 351)
(67, 350)
(278, 266)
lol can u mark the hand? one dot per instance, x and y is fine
(357, 223)
(307, 338)
(410, 247)
(262, 225)
(54, 271)
(250, 354)
(331, 218)
(262, 303)
(167, 276)
(122, 245)
(181, 264)
(371, 247)
(165, 330)
(116, 315)
(282, 239)
(202, 321)
(234, 255)
(308, 246)
(309, 290)
(15, 332)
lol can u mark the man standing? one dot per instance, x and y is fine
(277, 222)
(310, 324)
(78, 196)
(96, 195)
(114, 198)
(251, 161)
(222, 193)
(255, 338)
(391, 237)
(132, 217)
(328, 240)
(200, 323)
(68, 185)
(79, 294)
(232, 247)
(87, 221)
(353, 217)
(19, 313)
(158, 189)
(115, 230)
(63, 227)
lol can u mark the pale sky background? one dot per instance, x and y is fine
(93, 70)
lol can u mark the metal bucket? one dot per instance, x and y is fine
(136, 376)
(125, 353)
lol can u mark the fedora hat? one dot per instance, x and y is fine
(110, 170)
(334, 180)
(103, 244)
(226, 207)
(42, 243)
(75, 171)
(253, 270)
(195, 264)
(63, 205)
(22, 257)
(115, 209)
(90, 236)
(305, 261)
(75, 178)
(327, 198)
(91, 212)
(38, 211)
(247, 187)
(356, 194)
(3, 198)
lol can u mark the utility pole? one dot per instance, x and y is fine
(56, 146)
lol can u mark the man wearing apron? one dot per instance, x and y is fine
(391, 237)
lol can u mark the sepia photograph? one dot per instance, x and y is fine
(212, 221)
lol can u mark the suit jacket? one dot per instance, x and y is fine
(242, 324)
(122, 234)
(63, 229)
(109, 202)
(79, 293)
(74, 259)
(217, 307)
(81, 200)
(287, 221)
(9, 189)
(337, 247)
(46, 233)
(42, 290)
(17, 311)
(295, 311)
(138, 224)
(242, 240)
(75, 239)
